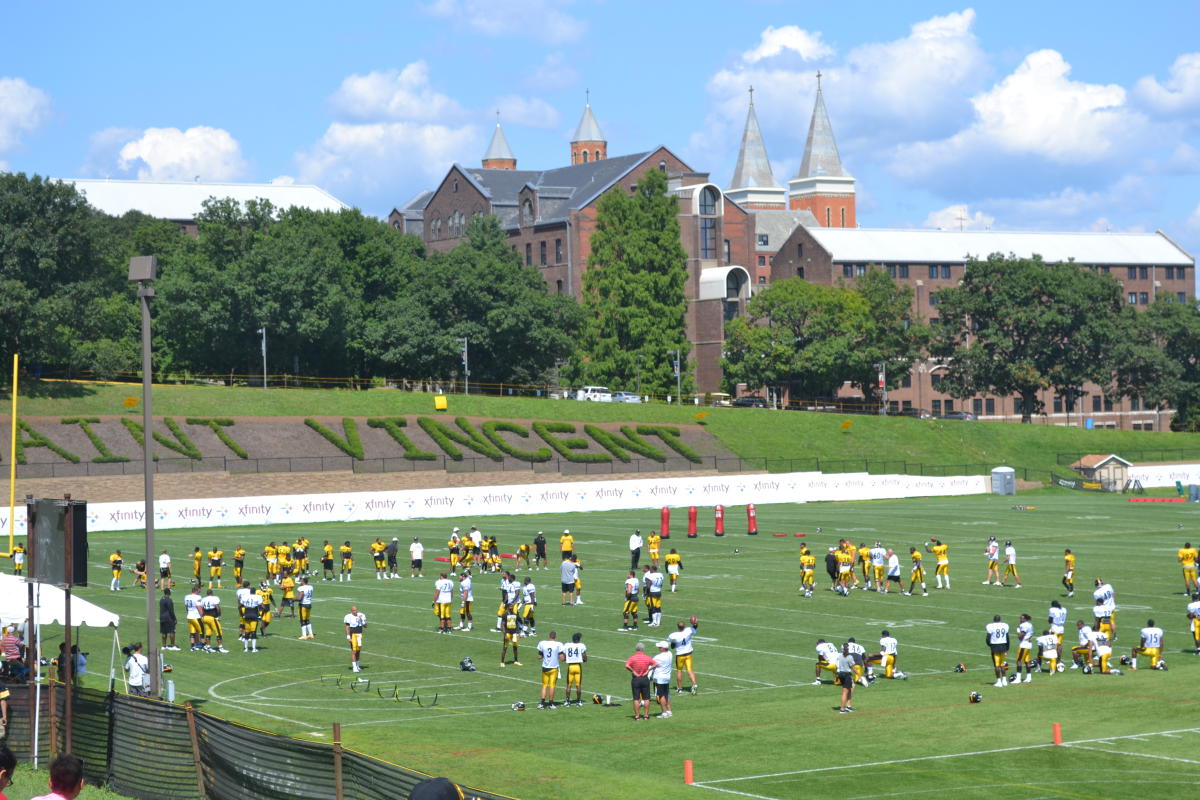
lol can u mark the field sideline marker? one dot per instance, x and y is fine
(705, 784)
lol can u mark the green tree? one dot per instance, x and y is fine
(633, 293)
(1158, 359)
(1019, 325)
(893, 336)
(797, 336)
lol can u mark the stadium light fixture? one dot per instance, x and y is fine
(142, 271)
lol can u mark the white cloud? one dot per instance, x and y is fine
(788, 38)
(908, 89)
(555, 72)
(23, 109)
(543, 20)
(1036, 126)
(172, 154)
(1069, 207)
(376, 157)
(1179, 94)
(532, 111)
(283, 180)
(394, 95)
(1193, 222)
(959, 217)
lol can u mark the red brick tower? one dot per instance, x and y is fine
(822, 185)
(588, 143)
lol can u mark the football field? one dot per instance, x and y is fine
(757, 727)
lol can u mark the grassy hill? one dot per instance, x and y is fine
(751, 433)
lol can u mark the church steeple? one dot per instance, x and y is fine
(588, 143)
(499, 155)
(753, 184)
(822, 185)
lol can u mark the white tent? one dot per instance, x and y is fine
(50, 606)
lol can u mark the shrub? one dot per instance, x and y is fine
(85, 423)
(619, 445)
(567, 447)
(491, 430)
(393, 425)
(218, 425)
(38, 440)
(670, 437)
(183, 445)
(445, 436)
(351, 445)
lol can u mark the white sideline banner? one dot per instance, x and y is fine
(538, 498)
(1164, 474)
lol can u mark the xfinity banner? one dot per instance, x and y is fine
(482, 501)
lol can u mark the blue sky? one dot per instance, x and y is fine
(1063, 116)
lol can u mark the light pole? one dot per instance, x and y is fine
(639, 362)
(881, 367)
(142, 271)
(466, 362)
(678, 379)
(263, 333)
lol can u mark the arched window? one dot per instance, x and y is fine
(435, 229)
(662, 166)
(596, 156)
(708, 222)
(585, 156)
(527, 212)
(828, 217)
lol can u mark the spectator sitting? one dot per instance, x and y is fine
(8, 763)
(10, 650)
(436, 789)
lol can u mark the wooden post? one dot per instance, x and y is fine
(53, 713)
(337, 761)
(191, 721)
(67, 671)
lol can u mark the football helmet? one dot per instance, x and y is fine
(467, 665)
(960, 667)
(975, 697)
(518, 706)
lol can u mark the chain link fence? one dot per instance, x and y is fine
(1161, 456)
(150, 749)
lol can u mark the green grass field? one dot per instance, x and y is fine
(750, 433)
(757, 728)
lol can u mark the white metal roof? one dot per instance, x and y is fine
(885, 246)
(183, 200)
(712, 281)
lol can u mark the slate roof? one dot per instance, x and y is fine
(588, 130)
(778, 224)
(820, 150)
(753, 170)
(498, 148)
(559, 190)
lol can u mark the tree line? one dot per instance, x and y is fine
(342, 294)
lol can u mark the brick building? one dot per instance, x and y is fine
(1148, 265)
(550, 216)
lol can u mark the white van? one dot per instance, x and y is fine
(599, 394)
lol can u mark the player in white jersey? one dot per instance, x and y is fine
(991, 554)
(304, 593)
(466, 602)
(878, 556)
(1105, 596)
(1082, 652)
(1151, 647)
(443, 591)
(1025, 658)
(827, 655)
(1048, 645)
(893, 572)
(191, 602)
(251, 612)
(210, 608)
(660, 676)
(997, 640)
(164, 571)
(240, 595)
(681, 643)
(551, 652)
(574, 656)
(1010, 565)
(1057, 617)
(356, 623)
(528, 606)
(629, 611)
(652, 586)
(889, 651)
(1102, 647)
(1193, 615)
(858, 655)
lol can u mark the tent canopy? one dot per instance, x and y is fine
(14, 605)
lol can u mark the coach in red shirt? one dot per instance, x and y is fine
(640, 665)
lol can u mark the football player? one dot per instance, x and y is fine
(1187, 559)
(941, 553)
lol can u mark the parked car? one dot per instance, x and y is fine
(598, 394)
(749, 401)
(720, 399)
(958, 415)
(625, 397)
(919, 413)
